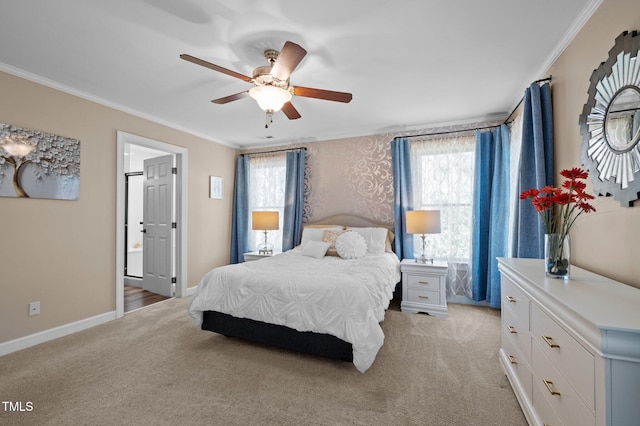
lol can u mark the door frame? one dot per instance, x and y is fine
(181, 155)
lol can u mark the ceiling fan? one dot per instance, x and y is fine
(271, 87)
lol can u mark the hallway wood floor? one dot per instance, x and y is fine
(136, 297)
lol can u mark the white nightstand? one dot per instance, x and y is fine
(424, 287)
(255, 255)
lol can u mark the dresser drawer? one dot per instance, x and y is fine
(424, 296)
(557, 393)
(513, 329)
(424, 282)
(514, 299)
(546, 414)
(517, 363)
(576, 363)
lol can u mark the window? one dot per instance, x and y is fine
(267, 177)
(443, 180)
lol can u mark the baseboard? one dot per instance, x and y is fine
(191, 290)
(133, 281)
(54, 333)
(464, 300)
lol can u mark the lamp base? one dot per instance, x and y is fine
(265, 250)
(423, 258)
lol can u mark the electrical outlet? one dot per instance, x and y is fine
(34, 308)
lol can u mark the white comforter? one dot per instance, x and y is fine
(344, 298)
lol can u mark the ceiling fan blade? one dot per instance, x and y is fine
(328, 95)
(231, 98)
(290, 111)
(288, 59)
(215, 67)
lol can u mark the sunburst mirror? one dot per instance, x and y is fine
(610, 123)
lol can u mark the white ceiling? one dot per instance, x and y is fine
(410, 64)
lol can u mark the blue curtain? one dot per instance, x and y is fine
(240, 219)
(536, 169)
(402, 194)
(490, 213)
(294, 200)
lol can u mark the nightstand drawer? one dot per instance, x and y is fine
(424, 282)
(424, 296)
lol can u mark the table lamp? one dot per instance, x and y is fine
(265, 221)
(423, 222)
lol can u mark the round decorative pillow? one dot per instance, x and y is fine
(351, 245)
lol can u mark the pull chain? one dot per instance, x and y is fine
(269, 119)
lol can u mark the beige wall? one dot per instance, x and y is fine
(604, 242)
(62, 253)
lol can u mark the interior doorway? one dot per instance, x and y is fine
(142, 285)
(132, 152)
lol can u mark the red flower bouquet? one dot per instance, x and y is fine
(559, 208)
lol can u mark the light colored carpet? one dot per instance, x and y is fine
(155, 367)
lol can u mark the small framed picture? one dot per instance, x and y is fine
(215, 187)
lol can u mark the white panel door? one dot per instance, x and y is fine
(157, 249)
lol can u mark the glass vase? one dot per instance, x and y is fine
(557, 255)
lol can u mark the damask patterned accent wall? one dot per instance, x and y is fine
(350, 176)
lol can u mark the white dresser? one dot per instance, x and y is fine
(571, 349)
(424, 287)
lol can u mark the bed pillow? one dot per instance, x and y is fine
(330, 236)
(315, 249)
(388, 244)
(315, 234)
(351, 245)
(376, 238)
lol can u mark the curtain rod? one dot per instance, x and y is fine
(477, 128)
(450, 131)
(275, 150)
(542, 80)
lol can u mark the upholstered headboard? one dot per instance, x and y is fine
(357, 222)
(351, 220)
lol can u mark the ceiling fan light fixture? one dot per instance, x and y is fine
(270, 98)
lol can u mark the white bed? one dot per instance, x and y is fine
(342, 297)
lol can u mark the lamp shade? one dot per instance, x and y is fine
(423, 222)
(270, 98)
(264, 220)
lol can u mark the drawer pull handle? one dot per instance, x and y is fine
(423, 297)
(512, 360)
(423, 282)
(549, 341)
(548, 384)
(511, 299)
(512, 329)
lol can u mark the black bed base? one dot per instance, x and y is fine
(324, 345)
